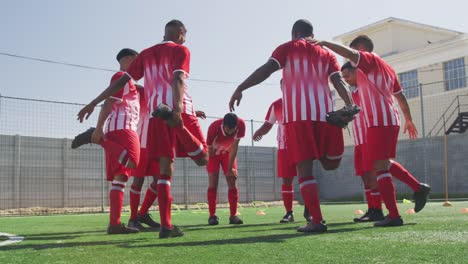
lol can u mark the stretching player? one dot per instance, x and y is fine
(223, 140)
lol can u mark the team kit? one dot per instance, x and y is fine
(142, 129)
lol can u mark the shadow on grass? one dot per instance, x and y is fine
(20, 246)
(205, 226)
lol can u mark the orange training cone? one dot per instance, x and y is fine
(260, 212)
(464, 210)
(410, 211)
(358, 212)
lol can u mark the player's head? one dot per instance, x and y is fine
(230, 123)
(362, 43)
(302, 29)
(125, 57)
(175, 31)
(349, 73)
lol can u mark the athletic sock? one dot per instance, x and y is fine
(376, 199)
(369, 199)
(399, 172)
(116, 197)
(309, 191)
(150, 196)
(233, 197)
(164, 200)
(212, 195)
(387, 190)
(287, 193)
(135, 192)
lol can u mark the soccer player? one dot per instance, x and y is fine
(307, 69)
(378, 85)
(116, 133)
(223, 141)
(164, 66)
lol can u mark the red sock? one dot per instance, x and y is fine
(369, 199)
(164, 200)
(134, 201)
(387, 190)
(190, 143)
(399, 172)
(212, 195)
(233, 197)
(150, 196)
(116, 198)
(376, 199)
(287, 193)
(309, 191)
(117, 149)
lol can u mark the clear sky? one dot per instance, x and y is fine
(227, 39)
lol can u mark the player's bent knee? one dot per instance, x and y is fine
(131, 165)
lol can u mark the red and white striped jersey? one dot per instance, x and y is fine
(377, 83)
(157, 65)
(359, 122)
(125, 110)
(221, 142)
(306, 70)
(275, 115)
(142, 128)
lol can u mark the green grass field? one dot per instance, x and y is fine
(436, 235)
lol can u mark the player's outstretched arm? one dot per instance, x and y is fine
(105, 111)
(341, 87)
(257, 77)
(263, 130)
(409, 125)
(348, 53)
(232, 158)
(200, 114)
(113, 88)
(178, 83)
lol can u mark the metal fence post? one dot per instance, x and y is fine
(421, 100)
(251, 132)
(247, 177)
(64, 173)
(17, 172)
(275, 174)
(186, 185)
(103, 176)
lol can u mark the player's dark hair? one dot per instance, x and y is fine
(363, 40)
(230, 120)
(347, 66)
(303, 27)
(125, 52)
(175, 23)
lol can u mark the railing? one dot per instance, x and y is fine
(448, 116)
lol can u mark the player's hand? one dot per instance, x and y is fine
(257, 136)
(235, 99)
(231, 173)
(315, 41)
(411, 129)
(200, 114)
(85, 112)
(97, 136)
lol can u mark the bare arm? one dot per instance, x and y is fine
(409, 125)
(113, 88)
(348, 53)
(178, 83)
(233, 154)
(263, 130)
(257, 77)
(105, 111)
(341, 87)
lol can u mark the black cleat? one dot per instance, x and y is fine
(372, 215)
(213, 220)
(313, 228)
(307, 216)
(420, 197)
(135, 224)
(387, 222)
(235, 220)
(287, 218)
(121, 229)
(165, 232)
(147, 219)
(83, 138)
(163, 111)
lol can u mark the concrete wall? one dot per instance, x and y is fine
(43, 172)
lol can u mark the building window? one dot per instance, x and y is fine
(409, 83)
(454, 74)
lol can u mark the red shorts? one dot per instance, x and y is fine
(145, 167)
(286, 169)
(382, 142)
(362, 163)
(219, 160)
(120, 146)
(192, 125)
(307, 140)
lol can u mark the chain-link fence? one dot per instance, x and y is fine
(40, 174)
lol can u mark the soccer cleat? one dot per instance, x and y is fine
(135, 224)
(83, 138)
(307, 216)
(121, 229)
(371, 215)
(387, 222)
(235, 220)
(213, 220)
(311, 227)
(147, 219)
(287, 218)
(163, 111)
(165, 232)
(420, 197)
(364, 218)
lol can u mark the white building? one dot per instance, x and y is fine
(432, 57)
